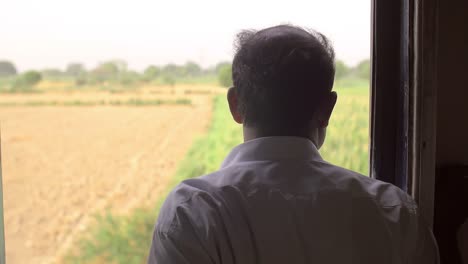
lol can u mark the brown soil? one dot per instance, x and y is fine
(63, 164)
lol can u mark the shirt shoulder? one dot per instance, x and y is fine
(384, 194)
(190, 199)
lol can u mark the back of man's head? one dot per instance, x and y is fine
(280, 75)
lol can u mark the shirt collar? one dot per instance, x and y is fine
(273, 148)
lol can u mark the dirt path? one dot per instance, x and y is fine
(62, 164)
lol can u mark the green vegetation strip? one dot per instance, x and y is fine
(126, 239)
(129, 102)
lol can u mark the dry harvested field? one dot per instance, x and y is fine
(62, 164)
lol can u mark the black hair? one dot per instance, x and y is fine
(280, 74)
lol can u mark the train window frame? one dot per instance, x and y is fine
(403, 97)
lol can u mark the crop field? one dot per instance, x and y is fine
(85, 172)
(347, 139)
(64, 163)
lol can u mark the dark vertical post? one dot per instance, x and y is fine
(390, 82)
(424, 105)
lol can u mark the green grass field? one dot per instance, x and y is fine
(347, 139)
(126, 239)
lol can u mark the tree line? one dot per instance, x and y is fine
(117, 72)
(361, 70)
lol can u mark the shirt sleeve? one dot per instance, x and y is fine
(172, 248)
(424, 246)
(178, 244)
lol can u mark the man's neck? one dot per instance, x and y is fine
(251, 133)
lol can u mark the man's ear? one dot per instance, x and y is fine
(233, 105)
(327, 109)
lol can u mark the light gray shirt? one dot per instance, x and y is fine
(274, 200)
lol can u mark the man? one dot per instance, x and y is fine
(274, 200)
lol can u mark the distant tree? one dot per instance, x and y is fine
(151, 73)
(172, 70)
(221, 65)
(363, 69)
(51, 73)
(225, 75)
(31, 77)
(75, 69)
(341, 69)
(7, 69)
(106, 71)
(129, 77)
(121, 65)
(168, 80)
(192, 69)
(27, 80)
(107, 68)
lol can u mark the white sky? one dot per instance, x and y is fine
(37, 34)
